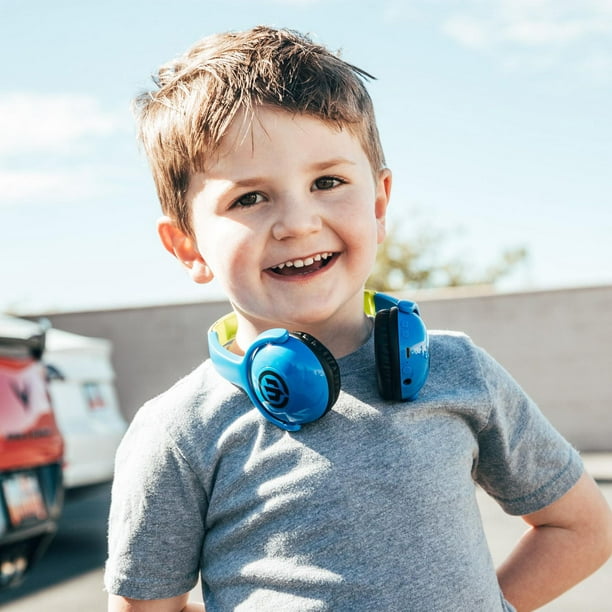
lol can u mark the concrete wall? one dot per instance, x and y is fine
(556, 343)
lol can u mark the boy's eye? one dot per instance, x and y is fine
(248, 199)
(327, 182)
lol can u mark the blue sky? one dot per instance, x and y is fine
(496, 118)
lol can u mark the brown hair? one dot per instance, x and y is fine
(182, 122)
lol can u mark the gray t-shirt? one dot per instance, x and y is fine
(372, 506)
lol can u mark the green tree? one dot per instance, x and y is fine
(414, 263)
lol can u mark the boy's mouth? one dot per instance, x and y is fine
(309, 264)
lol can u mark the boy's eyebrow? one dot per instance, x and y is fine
(329, 163)
(252, 181)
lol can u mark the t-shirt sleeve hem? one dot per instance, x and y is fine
(144, 590)
(549, 492)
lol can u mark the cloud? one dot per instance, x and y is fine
(574, 31)
(33, 186)
(38, 123)
(50, 147)
(541, 32)
(467, 31)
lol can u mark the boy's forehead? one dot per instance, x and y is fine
(264, 121)
(256, 136)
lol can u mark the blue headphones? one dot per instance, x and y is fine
(292, 379)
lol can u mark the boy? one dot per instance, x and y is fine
(272, 179)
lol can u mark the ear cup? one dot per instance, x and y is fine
(401, 346)
(293, 380)
(385, 349)
(329, 364)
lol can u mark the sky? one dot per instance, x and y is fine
(495, 117)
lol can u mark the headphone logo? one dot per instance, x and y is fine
(273, 389)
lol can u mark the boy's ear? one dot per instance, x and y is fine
(383, 194)
(184, 248)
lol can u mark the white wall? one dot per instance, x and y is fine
(555, 343)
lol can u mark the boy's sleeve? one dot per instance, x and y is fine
(524, 462)
(155, 524)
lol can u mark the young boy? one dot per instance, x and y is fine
(271, 176)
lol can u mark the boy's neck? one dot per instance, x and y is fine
(340, 340)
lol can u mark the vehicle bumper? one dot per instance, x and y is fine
(21, 544)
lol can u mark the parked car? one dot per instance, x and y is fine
(31, 451)
(82, 387)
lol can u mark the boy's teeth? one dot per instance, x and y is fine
(300, 263)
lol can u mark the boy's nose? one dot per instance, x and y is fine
(296, 219)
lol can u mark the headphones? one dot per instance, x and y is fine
(292, 379)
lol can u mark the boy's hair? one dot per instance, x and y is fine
(182, 122)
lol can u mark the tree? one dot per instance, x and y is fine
(413, 263)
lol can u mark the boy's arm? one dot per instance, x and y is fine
(568, 540)
(117, 603)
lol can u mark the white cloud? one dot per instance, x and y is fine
(49, 144)
(34, 123)
(467, 31)
(399, 10)
(27, 186)
(530, 23)
(541, 32)
(538, 36)
(553, 10)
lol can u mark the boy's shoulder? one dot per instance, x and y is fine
(456, 361)
(190, 398)
(445, 345)
(186, 388)
(450, 337)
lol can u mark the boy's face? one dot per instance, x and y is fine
(287, 217)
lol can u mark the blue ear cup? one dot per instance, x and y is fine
(401, 345)
(292, 379)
